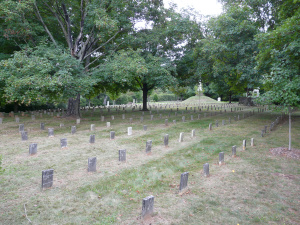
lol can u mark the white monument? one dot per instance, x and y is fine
(219, 99)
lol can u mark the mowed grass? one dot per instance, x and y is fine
(252, 188)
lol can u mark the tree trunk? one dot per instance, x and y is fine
(290, 129)
(16, 106)
(229, 97)
(145, 93)
(74, 107)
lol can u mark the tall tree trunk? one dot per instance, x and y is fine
(145, 93)
(230, 97)
(16, 106)
(290, 129)
(74, 107)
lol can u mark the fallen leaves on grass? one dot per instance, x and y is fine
(284, 152)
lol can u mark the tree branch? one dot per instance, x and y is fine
(67, 19)
(37, 12)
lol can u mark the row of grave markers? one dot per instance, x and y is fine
(148, 202)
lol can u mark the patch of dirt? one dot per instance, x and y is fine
(284, 152)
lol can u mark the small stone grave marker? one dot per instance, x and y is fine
(47, 178)
(107, 124)
(32, 148)
(24, 135)
(181, 136)
(183, 180)
(244, 144)
(50, 132)
(92, 127)
(42, 126)
(145, 127)
(21, 127)
(73, 129)
(206, 169)
(192, 117)
(147, 207)
(221, 158)
(234, 151)
(252, 142)
(92, 138)
(63, 142)
(151, 117)
(148, 146)
(122, 155)
(166, 140)
(129, 130)
(166, 122)
(77, 121)
(183, 119)
(210, 126)
(17, 119)
(112, 135)
(92, 164)
(193, 133)
(174, 121)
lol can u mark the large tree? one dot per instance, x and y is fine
(88, 29)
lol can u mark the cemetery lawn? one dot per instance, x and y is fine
(255, 187)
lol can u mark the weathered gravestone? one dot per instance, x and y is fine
(63, 142)
(234, 151)
(92, 164)
(122, 155)
(147, 207)
(210, 126)
(166, 140)
(252, 142)
(77, 121)
(145, 127)
(206, 170)
(148, 146)
(92, 127)
(112, 135)
(92, 138)
(193, 133)
(42, 126)
(129, 130)
(221, 158)
(244, 144)
(73, 129)
(174, 121)
(108, 124)
(24, 135)
(17, 119)
(181, 136)
(183, 180)
(47, 178)
(50, 132)
(183, 119)
(32, 148)
(21, 127)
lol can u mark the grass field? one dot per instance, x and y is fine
(253, 188)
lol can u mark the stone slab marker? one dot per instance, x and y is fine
(63, 142)
(166, 122)
(174, 121)
(112, 135)
(24, 135)
(181, 136)
(32, 148)
(147, 207)
(145, 127)
(92, 164)
(92, 127)
(112, 117)
(73, 129)
(47, 178)
(122, 155)
(221, 158)
(262, 132)
(148, 146)
(199, 116)
(252, 142)
(102, 118)
(166, 140)
(223, 122)
(129, 130)
(21, 127)
(206, 169)
(50, 132)
(17, 119)
(229, 120)
(130, 120)
(244, 144)
(107, 124)
(151, 117)
(183, 119)
(77, 121)
(42, 125)
(192, 117)
(183, 180)
(210, 126)
(234, 151)
(123, 116)
(193, 133)
(92, 139)
(217, 123)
